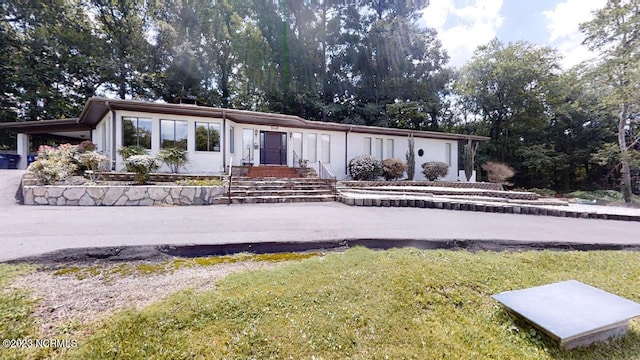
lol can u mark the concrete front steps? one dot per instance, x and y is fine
(282, 172)
(246, 190)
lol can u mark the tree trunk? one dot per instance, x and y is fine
(625, 181)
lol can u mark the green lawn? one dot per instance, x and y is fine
(364, 304)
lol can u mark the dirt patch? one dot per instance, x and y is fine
(65, 300)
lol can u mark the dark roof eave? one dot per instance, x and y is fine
(96, 108)
(45, 126)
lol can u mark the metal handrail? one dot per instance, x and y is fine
(230, 177)
(325, 174)
(296, 159)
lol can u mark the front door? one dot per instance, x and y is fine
(273, 148)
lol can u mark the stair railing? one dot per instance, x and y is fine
(325, 174)
(230, 178)
(296, 159)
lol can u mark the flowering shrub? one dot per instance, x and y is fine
(434, 170)
(93, 160)
(128, 151)
(174, 158)
(55, 164)
(365, 167)
(142, 165)
(393, 169)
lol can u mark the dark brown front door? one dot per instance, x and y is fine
(273, 148)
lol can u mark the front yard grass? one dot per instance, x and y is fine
(364, 304)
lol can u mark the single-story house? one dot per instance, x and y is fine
(216, 138)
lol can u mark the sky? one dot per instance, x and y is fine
(463, 25)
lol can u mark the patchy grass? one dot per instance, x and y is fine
(126, 269)
(197, 182)
(601, 195)
(16, 307)
(364, 304)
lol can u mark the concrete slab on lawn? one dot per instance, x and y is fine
(573, 313)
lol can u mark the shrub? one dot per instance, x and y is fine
(54, 164)
(365, 167)
(434, 170)
(128, 151)
(142, 165)
(498, 172)
(393, 169)
(86, 146)
(93, 160)
(411, 159)
(174, 158)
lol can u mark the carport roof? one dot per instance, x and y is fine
(45, 126)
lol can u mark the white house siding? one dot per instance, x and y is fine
(199, 161)
(434, 150)
(213, 162)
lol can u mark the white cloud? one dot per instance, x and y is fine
(463, 25)
(563, 24)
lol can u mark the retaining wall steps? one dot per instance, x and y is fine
(497, 208)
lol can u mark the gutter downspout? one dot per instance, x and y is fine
(113, 136)
(224, 140)
(346, 150)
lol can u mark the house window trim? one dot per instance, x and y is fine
(136, 119)
(174, 132)
(219, 130)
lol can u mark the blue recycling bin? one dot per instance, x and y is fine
(31, 158)
(4, 161)
(13, 161)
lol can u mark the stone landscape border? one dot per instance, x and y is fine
(126, 195)
(490, 208)
(452, 184)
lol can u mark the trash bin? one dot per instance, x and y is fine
(4, 161)
(13, 161)
(31, 158)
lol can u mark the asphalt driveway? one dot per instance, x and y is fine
(33, 230)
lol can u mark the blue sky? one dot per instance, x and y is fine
(463, 25)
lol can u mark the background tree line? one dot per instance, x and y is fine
(352, 61)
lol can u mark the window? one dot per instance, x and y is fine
(379, 149)
(173, 134)
(136, 132)
(232, 141)
(311, 150)
(325, 148)
(367, 146)
(448, 153)
(207, 136)
(389, 148)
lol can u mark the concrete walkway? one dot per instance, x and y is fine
(33, 230)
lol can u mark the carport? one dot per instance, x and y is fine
(63, 129)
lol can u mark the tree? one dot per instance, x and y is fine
(508, 88)
(615, 33)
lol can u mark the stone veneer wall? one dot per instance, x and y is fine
(138, 195)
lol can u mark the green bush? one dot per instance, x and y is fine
(174, 158)
(128, 151)
(434, 170)
(365, 167)
(142, 165)
(393, 169)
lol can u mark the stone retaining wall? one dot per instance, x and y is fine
(138, 195)
(453, 184)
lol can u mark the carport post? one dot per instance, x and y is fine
(23, 150)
